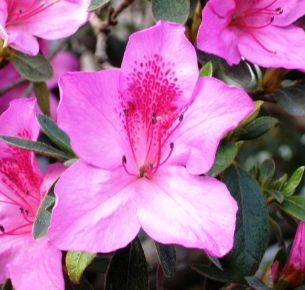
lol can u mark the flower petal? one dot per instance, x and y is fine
(37, 266)
(88, 113)
(151, 64)
(95, 210)
(276, 41)
(192, 211)
(217, 109)
(3, 13)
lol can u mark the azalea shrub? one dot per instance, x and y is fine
(152, 144)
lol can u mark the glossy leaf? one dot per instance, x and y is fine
(206, 70)
(294, 206)
(167, 257)
(293, 182)
(32, 68)
(171, 10)
(42, 96)
(76, 264)
(95, 4)
(128, 269)
(266, 169)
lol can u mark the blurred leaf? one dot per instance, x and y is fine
(76, 263)
(279, 197)
(295, 206)
(258, 106)
(256, 283)
(266, 169)
(171, 10)
(32, 68)
(255, 129)
(42, 96)
(292, 99)
(206, 70)
(226, 153)
(128, 269)
(252, 229)
(277, 184)
(95, 4)
(56, 135)
(83, 284)
(43, 216)
(167, 257)
(293, 182)
(37, 147)
(7, 285)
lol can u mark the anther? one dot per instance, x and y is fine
(26, 212)
(21, 209)
(125, 112)
(154, 118)
(27, 192)
(124, 159)
(172, 145)
(181, 118)
(2, 228)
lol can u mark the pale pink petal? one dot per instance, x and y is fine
(215, 37)
(158, 60)
(217, 109)
(3, 13)
(282, 47)
(3, 36)
(95, 209)
(37, 266)
(88, 113)
(192, 211)
(58, 21)
(22, 41)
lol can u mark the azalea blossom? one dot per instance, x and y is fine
(29, 263)
(261, 31)
(143, 134)
(22, 21)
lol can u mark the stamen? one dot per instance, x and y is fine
(170, 153)
(2, 228)
(124, 162)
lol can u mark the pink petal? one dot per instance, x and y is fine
(192, 211)
(88, 113)
(214, 35)
(38, 266)
(3, 12)
(217, 109)
(222, 8)
(58, 21)
(95, 209)
(157, 59)
(287, 46)
(3, 36)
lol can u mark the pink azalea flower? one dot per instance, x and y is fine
(31, 264)
(143, 134)
(21, 21)
(262, 31)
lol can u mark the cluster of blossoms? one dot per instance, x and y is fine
(145, 134)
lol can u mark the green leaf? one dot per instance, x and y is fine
(37, 147)
(171, 10)
(258, 106)
(226, 153)
(294, 206)
(256, 283)
(56, 135)
(43, 217)
(95, 4)
(255, 129)
(292, 99)
(206, 70)
(279, 197)
(278, 184)
(293, 182)
(167, 257)
(252, 229)
(42, 96)
(128, 269)
(7, 285)
(32, 68)
(76, 264)
(266, 170)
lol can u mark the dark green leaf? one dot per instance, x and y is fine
(293, 182)
(37, 147)
(266, 169)
(171, 10)
(95, 4)
(226, 153)
(252, 229)
(42, 96)
(206, 70)
(253, 115)
(76, 264)
(7, 285)
(279, 197)
(278, 183)
(56, 135)
(294, 206)
(167, 257)
(128, 269)
(256, 283)
(292, 99)
(32, 68)
(42, 219)
(255, 128)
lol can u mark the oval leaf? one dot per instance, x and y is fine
(76, 263)
(171, 10)
(295, 206)
(293, 182)
(206, 70)
(32, 68)
(42, 96)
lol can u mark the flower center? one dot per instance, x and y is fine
(18, 13)
(250, 19)
(19, 192)
(150, 115)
